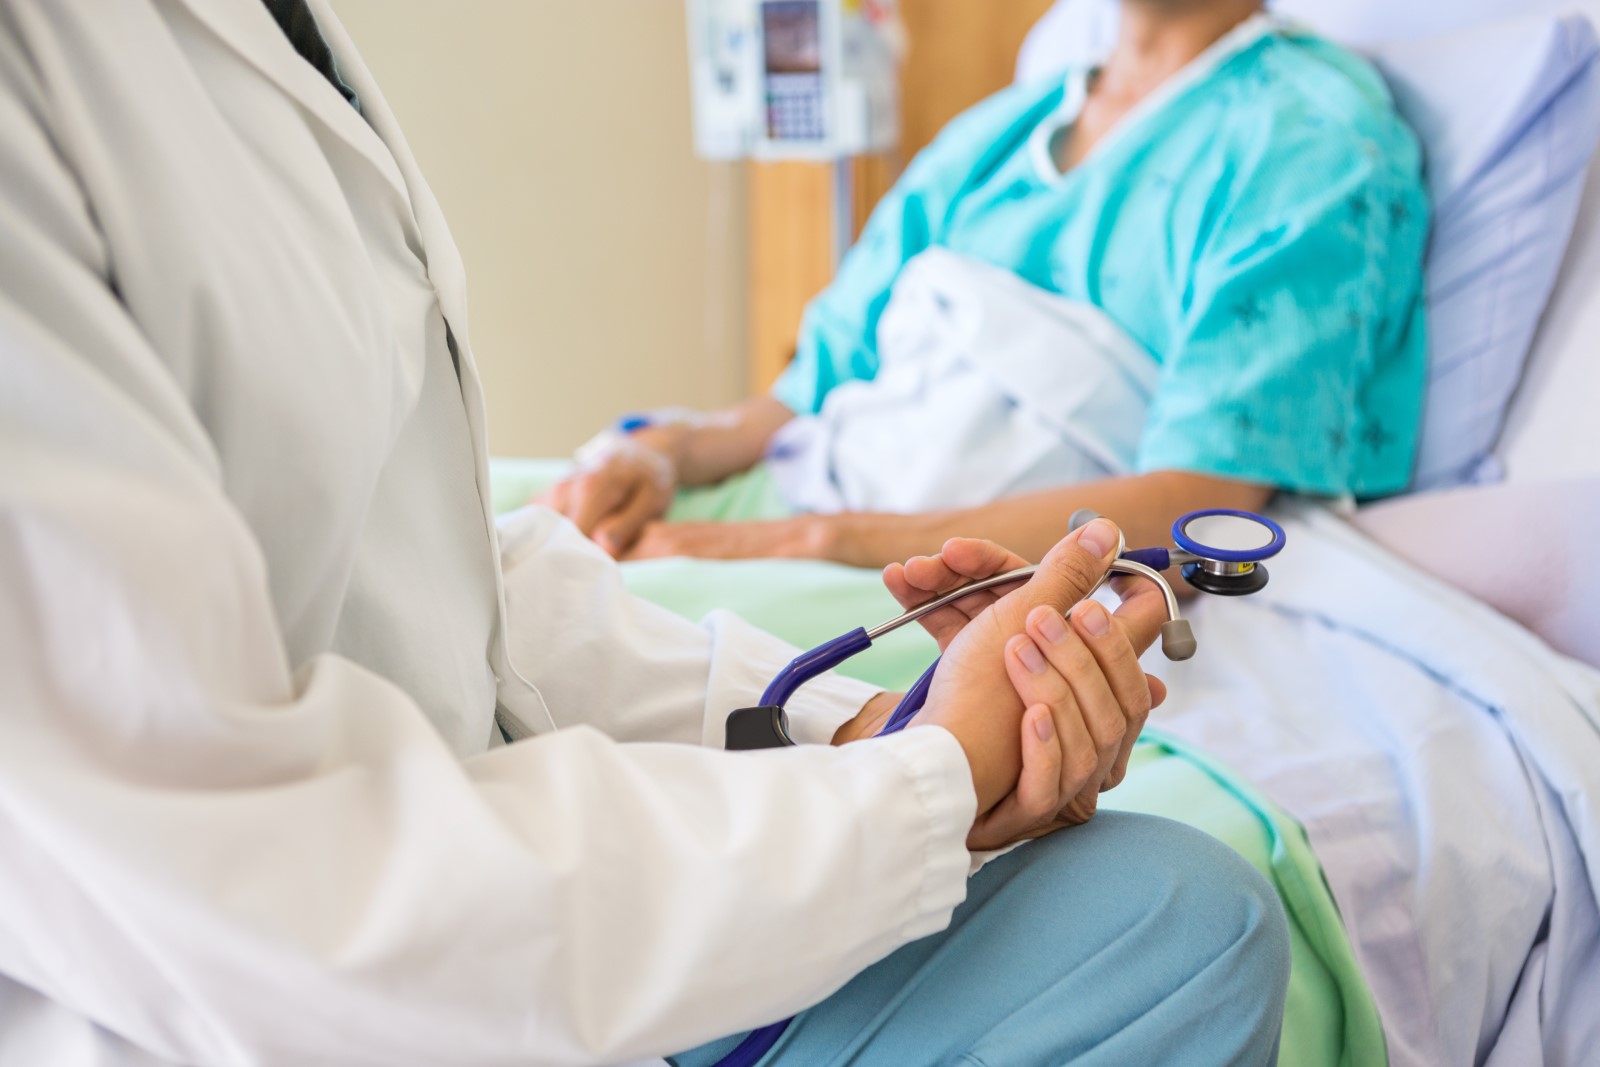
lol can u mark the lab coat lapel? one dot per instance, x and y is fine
(445, 271)
(248, 28)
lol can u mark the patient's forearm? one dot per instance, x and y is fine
(720, 444)
(1143, 505)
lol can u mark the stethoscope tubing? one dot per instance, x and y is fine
(917, 695)
(1022, 574)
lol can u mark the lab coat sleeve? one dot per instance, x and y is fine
(227, 858)
(600, 656)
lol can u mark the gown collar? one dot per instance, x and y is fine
(1230, 44)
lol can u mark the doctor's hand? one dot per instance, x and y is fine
(614, 497)
(1047, 709)
(961, 560)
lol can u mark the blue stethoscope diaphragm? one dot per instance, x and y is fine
(1227, 535)
(1221, 550)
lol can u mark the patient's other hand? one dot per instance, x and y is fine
(612, 499)
(799, 537)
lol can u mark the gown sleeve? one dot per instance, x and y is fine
(1300, 357)
(225, 857)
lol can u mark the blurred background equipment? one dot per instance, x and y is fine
(794, 79)
(956, 52)
(612, 266)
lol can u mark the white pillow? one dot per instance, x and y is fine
(1508, 114)
(1552, 432)
(1525, 550)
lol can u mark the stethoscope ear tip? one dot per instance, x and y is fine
(1177, 640)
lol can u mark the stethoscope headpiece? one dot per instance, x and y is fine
(1221, 550)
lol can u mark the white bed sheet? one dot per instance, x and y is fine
(1445, 764)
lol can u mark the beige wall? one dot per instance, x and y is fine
(605, 261)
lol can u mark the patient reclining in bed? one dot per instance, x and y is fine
(1190, 277)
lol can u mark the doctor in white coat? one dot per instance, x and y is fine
(257, 627)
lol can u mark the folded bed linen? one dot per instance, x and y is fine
(1445, 764)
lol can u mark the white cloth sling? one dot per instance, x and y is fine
(987, 386)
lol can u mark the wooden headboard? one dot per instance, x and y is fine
(960, 52)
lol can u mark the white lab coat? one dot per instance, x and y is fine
(253, 629)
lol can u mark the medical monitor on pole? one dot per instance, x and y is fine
(794, 79)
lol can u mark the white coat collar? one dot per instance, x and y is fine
(248, 28)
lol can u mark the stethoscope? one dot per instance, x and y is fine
(1220, 551)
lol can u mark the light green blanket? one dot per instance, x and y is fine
(1330, 1018)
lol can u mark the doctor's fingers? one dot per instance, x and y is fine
(941, 625)
(1072, 569)
(1032, 806)
(1111, 708)
(1142, 612)
(1106, 639)
(1085, 759)
(966, 558)
(960, 561)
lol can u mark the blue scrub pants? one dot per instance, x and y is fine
(1131, 940)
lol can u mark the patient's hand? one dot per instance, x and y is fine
(612, 499)
(1046, 709)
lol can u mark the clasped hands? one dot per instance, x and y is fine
(1045, 707)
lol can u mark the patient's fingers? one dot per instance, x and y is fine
(617, 532)
(555, 497)
(1108, 643)
(595, 495)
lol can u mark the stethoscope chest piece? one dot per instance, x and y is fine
(1222, 550)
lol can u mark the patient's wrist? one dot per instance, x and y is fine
(877, 539)
(669, 439)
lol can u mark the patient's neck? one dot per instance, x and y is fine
(1158, 38)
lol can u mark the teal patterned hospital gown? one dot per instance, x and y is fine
(1258, 226)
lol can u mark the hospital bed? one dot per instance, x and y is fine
(1403, 731)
